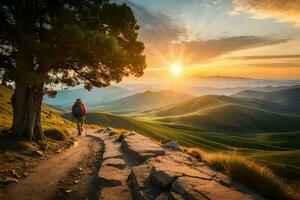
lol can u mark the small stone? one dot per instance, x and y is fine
(15, 174)
(68, 191)
(25, 174)
(44, 146)
(11, 180)
(80, 169)
(58, 151)
(37, 153)
(76, 181)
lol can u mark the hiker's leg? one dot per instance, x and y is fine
(81, 124)
(78, 126)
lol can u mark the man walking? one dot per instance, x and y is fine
(78, 111)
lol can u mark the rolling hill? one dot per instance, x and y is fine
(277, 150)
(210, 101)
(289, 97)
(66, 98)
(236, 118)
(144, 101)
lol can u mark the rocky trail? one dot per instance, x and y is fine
(104, 166)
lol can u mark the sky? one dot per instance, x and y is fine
(241, 38)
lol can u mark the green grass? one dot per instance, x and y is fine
(237, 118)
(247, 172)
(256, 142)
(248, 144)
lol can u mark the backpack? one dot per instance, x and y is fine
(77, 110)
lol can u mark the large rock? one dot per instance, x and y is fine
(115, 193)
(169, 196)
(163, 178)
(172, 145)
(196, 189)
(141, 148)
(112, 150)
(114, 162)
(111, 176)
(164, 172)
(142, 189)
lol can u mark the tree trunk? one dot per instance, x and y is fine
(27, 102)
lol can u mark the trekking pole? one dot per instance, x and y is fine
(85, 126)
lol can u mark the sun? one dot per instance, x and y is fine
(176, 69)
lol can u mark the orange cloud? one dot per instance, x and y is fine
(282, 10)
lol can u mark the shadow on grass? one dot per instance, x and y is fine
(12, 149)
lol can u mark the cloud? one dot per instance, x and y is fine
(275, 65)
(202, 50)
(264, 57)
(282, 10)
(155, 27)
(163, 36)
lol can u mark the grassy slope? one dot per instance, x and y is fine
(12, 149)
(236, 118)
(253, 145)
(209, 101)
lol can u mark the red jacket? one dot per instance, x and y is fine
(82, 108)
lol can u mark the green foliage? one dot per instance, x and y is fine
(94, 42)
(57, 134)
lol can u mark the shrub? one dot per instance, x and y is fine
(57, 134)
(247, 172)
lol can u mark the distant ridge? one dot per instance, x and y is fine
(289, 97)
(146, 100)
(224, 77)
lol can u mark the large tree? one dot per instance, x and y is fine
(48, 42)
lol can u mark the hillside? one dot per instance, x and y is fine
(236, 118)
(289, 97)
(66, 98)
(50, 115)
(206, 102)
(145, 100)
(255, 144)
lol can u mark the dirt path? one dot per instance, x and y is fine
(54, 177)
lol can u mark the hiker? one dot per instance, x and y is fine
(78, 111)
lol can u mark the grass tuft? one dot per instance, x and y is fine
(116, 131)
(57, 134)
(247, 172)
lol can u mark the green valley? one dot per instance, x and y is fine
(266, 131)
